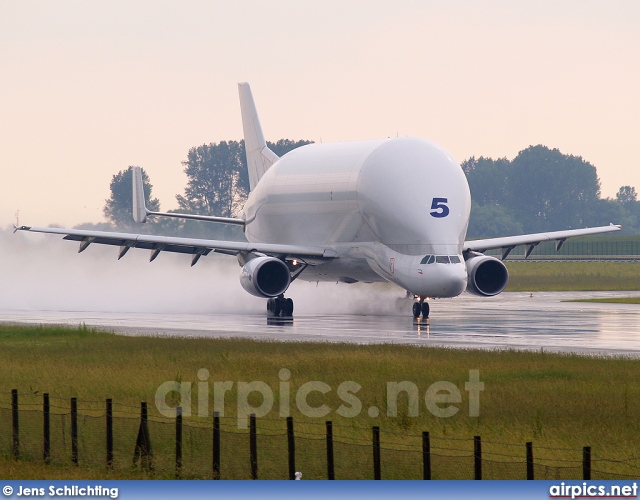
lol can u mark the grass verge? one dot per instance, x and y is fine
(557, 401)
(573, 276)
(610, 300)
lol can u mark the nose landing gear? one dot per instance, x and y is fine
(421, 307)
(280, 307)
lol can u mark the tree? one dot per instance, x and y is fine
(118, 209)
(610, 211)
(541, 189)
(627, 199)
(218, 180)
(492, 221)
(549, 190)
(487, 179)
(283, 146)
(213, 173)
(627, 194)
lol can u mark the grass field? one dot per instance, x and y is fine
(573, 276)
(556, 401)
(611, 300)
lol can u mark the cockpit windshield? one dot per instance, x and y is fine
(441, 259)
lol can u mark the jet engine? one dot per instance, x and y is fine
(265, 277)
(488, 276)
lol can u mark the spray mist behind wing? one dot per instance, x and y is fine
(44, 272)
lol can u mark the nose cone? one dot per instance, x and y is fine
(452, 280)
(435, 280)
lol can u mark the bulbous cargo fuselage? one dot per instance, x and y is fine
(385, 205)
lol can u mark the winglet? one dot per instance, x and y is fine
(259, 156)
(139, 208)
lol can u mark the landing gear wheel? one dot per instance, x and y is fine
(425, 309)
(279, 306)
(416, 310)
(287, 310)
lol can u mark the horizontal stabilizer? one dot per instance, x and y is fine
(140, 211)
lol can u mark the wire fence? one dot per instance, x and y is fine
(94, 434)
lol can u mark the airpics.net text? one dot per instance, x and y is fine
(442, 398)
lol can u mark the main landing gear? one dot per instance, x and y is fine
(421, 307)
(280, 307)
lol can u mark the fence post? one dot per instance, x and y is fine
(143, 451)
(14, 423)
(109, 414)
(529, 460)
(292, 448)
(216, 445)
(586, 463)
(74, 430)
(376, 453)
(330, 465)
(426, 456)
(253, 446)
(47, 428)
(477, 457)
(178, 439)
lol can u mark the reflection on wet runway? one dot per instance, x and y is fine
(509, 321)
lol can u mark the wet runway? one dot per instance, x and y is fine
(509, 321)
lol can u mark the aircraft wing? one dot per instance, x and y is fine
(192, 246)
(508, 243)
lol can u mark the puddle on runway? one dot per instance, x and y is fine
(509, 321)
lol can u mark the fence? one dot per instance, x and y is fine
(102, 434)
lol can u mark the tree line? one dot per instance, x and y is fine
(542, 189)
(539, 190)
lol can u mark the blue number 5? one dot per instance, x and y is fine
(439, 208)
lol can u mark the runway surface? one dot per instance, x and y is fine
(509, 321)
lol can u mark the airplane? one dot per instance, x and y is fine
(393, 210)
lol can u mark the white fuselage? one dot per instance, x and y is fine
(384, 205)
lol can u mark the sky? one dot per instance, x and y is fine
(89, 88)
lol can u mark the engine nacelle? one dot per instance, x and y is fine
(488, 276)
(265, 277)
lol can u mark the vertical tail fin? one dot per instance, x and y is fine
(259, 156)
